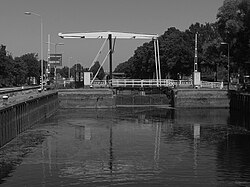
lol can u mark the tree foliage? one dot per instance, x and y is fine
(176, 53)
(6, 65)
(234, 28)
(33, 66)
(94, 69)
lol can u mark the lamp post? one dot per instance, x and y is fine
(32, 13)
(228, 66)
(69, 67)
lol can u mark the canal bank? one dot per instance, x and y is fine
(86, 98)
(178, 98)
(240, 101)
(201, 98)
(22, 112)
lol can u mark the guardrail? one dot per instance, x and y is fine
(155, 83)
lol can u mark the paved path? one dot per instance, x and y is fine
(19, 96)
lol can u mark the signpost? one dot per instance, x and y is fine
(55, 60)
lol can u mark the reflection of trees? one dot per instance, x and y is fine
(239, 118)
(233, 158)
(5, 170)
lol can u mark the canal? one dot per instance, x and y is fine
(131, 147)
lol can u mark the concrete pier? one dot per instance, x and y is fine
(201, 98)
(86, 98)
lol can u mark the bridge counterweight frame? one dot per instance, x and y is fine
(120, 35)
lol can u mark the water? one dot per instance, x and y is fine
(138, 147)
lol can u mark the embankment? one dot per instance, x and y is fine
(86, 98)
(201, 98)
(16, 117)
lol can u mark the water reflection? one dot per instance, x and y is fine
(139, 146)
(157, 142)
(240, 119)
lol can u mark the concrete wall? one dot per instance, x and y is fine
(86, 98)
(240, 101)
(201, 98)
(142, 100)
(17, 117)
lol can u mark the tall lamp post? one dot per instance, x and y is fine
(228, 65)
(32, 13)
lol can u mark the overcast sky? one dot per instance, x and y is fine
(21, 33)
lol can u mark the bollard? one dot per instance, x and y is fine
(5, 99)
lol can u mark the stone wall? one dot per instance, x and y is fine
(86, 98)
(201, 98)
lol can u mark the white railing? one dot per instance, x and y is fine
(154, 83)
(100, 83)
(206, 84)
(141, 83)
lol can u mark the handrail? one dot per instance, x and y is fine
(153, 83)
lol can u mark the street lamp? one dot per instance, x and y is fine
(32, 13)
(228, 66)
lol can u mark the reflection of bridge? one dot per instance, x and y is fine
(144, 83)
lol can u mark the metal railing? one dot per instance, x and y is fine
(154, 83)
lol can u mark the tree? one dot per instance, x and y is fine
(64, 72)
(6, 66)
(19, 71)
(33, 66)
(234, 28)
(175, 57)
(94, 69)
(176, 53)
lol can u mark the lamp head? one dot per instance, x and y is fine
(27, 13)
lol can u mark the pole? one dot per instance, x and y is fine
(69, 68)
(55, 77)
(228, 67)
(48, 56)
(156, 64)
(110, 55)
(158, 59)
(196, 53)
(32, 13)
(41, 52)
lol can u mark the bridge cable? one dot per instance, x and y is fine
(100, 67)
(158, 57)
(156, 63)
(99, 52)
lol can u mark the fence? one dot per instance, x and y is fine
(240, 101)
(162, 82)
(17, 118)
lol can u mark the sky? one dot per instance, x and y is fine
(21, 33)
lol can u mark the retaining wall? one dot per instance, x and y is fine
(240, 101)
(86, 98)
(18, 117)
(201, 98)
(142, 100)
